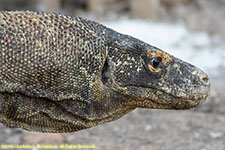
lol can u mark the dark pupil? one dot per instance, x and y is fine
(156, 61)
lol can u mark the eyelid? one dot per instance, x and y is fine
(164, 56)
(152, 69)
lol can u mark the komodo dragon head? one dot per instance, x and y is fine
(151, 78)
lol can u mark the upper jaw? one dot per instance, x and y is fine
(188, 99)
(191, 97)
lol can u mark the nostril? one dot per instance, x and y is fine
(205, 80)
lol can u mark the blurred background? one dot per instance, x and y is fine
(193, 30)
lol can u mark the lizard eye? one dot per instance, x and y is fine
(156, 62)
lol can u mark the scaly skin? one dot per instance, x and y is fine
(63, 74)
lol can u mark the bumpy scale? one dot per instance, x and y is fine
(63, 74)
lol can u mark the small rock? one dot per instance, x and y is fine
(8, 131)
(148, 127)
(216, 135)
(14, 139)
(197, 135)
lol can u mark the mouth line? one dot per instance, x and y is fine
(199, 99)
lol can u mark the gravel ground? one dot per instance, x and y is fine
(202, 128)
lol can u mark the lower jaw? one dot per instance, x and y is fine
(179, 104)
(188, 103)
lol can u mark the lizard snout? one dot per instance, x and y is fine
(202, 77)
(205, 79)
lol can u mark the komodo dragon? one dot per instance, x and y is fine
(63, 74)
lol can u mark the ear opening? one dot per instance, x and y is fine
(105, 72)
